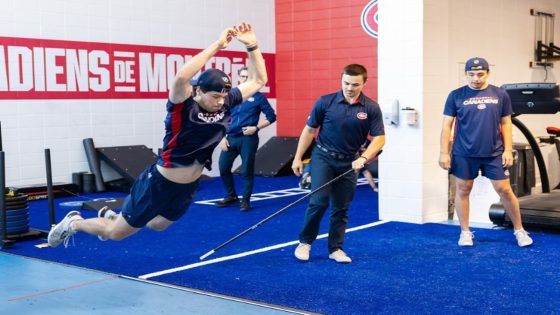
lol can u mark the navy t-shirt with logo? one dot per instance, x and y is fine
(478, 120)
(191, 133)
(344, 126)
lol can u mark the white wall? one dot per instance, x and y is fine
(29, 126)
(400, 77)
(422, 49)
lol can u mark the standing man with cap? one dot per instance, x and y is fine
(242, 138)
(195, 124)
(345, 118)
(481, 113)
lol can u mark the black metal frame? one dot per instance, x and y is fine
(548, 52)
(536, 150)
(545, 50)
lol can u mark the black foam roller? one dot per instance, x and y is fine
(94, 164)
(78, 179)
(88, 183)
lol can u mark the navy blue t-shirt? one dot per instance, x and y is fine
(478, 120)
(344, 126)
(248, 113)
(191, 133)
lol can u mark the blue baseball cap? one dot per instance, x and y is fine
(213, 80)
(477, 63)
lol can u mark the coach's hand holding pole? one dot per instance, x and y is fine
(371, 151)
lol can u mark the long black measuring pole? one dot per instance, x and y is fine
(50, 194)
(231, 240)
(3, 188)
(3, 198)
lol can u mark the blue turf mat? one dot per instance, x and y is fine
(201, 229)
(398, 268)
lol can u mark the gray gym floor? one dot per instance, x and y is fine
(30, 286)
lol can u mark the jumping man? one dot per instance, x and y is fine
(198, 116)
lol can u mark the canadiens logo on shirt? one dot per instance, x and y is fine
(361, 115)
(481, 101)
(211, 117)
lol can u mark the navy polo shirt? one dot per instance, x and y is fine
(478, 120)
(344, 126)
(191, 133)
(248, 114)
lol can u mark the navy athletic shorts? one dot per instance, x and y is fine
(153, 195)
(467, 167)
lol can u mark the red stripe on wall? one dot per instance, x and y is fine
(33, 68)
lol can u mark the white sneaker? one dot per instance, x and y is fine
(466, 238)
(523, 238)
(63, 231)
(302, 251)
(340, 257)
(106, 213)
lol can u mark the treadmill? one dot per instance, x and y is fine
(543, 209)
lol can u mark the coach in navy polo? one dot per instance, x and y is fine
(345, 119)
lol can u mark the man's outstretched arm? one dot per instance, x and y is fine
(181, 88)
(256, 66)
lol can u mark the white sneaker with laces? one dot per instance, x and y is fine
(466, 238)
(106, 213)
(302, 251)
(63, 231)
(340, 257)
(523, 238)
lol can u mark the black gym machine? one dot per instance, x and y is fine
(540, 209)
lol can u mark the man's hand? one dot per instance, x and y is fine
(297, 166)
(224, 144)
(225, 37)
(249, 130)
(244, 34)
(444, 161)
(507, 158)
(359, 163)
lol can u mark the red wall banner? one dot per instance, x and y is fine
(56, 69)
(314, 41)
